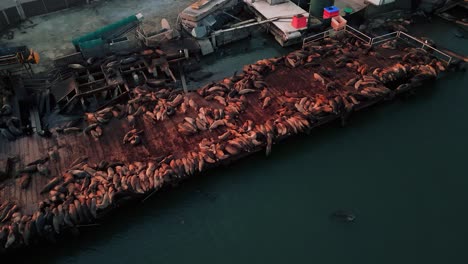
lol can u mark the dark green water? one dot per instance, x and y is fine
(402, 167)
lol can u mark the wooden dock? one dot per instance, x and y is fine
(184, 134)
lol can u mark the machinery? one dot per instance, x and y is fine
(108, 39)
(17, 59)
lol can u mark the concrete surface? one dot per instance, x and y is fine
(51, 34)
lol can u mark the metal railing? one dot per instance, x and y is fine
(348, 29)
(358, 34)
(317, 37)
(379, 39)
(425, 46)
(385, 37)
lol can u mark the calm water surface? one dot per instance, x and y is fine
(402, 167)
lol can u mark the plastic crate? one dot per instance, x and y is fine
(330, 15)
(299, 21)
(338, 22)
(331, 11)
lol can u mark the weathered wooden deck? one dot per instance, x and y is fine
(162, 138)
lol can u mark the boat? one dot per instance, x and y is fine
(207, 13)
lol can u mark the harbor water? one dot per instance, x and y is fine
(400, 167)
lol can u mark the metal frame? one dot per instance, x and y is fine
(379, 39)
(385, 37)
(317, 37)
(448, 59)
(358, 34)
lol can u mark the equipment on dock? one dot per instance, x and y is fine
(14, 59)
(152, 39)
(455, 11)
(338, 23)
(282, 27)
(212, 13)
(330, 11)
(316, 7)
(299, 21)
(108, 39)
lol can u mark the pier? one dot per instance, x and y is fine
(162, 136)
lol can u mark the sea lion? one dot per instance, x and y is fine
(6, 110)
(93, 207)
(79, 211)
(104, 203)
(51, 184)
(217, 124)
(88, 129)
(40, 222)
(6, 208)
(319, 78)
(403, 87)
(43, 170)
(27, 232)
(25, 180)
(70, 130)
(76, 66)
(66, 217)
(56, 221)
(246, 91)
(29, 169)
(38, 161)
(9, 213)
(129, 60)
(266, 102)
(343, 216)
(11, 237)
(73, 214)
(7, 134)
(79, 174)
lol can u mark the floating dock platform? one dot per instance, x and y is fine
(161, 136)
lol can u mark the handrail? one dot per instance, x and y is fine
(312, 38)
(385, 37)
(424, 45)
(379, 39)
(356, 32)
